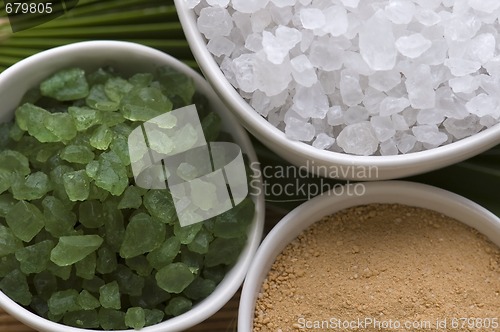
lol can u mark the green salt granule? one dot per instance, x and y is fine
(135, 318)
(63, 301)
(87, 301)
(85, 319)
(60, 125)
(65, 85)
(235, 222)
(110, 319)
(85, 268)
(211, 125)
(98, 193)
(178, 305)
(109, 296)
(143, 234)
(201, 242)
(45, 284)
(215, 273)
(15, 285)
(84, 117)
(5, 139)
(14, 161)
(63, 272)
(187, 234)
(131, 198)
(140, 265)
(98, 100)
(153, 316)
(7, 264)
(159, 204)
(6, 180)
(91, 214)
(100, 76)
(71, 249)
(32, 187)
(16, 133)
(34, 258)
(93, 285)
(31, 118)
(77, 185)
(176, 85)
(106, 260)
(116, 87)
(151, 296)
(56, 177)
(25, 220)
(78, 154)
(39, 306)
(109, 173)
(129, 282)
(114, 225)
(143, 104)
(111, 119)
(101, 137)
(6, 203)
(194, 261)
(175, 277)
(141, 80)
(9, 243)
(224, 251)
(200, 288)
(119, 145)
(59, 219)
(165, 254)
(48, 151)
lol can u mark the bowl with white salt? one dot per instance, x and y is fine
(397, 86)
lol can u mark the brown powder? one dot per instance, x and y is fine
(392, 264)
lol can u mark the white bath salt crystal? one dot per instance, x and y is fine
(482, 48)
(487, 121)
(399, 122)
(427, 17)
(462, 128)
(220, 46)
(278, 47)
(410, 116)
(350, 3)
(450, 104)
(220, 3)
(405, 142)
(291, 114)
(335, 116)
(413, 46)
(192, 3)
(354, 62)
(243, 68)
(260, 20)
(298, 130)
(388, 148)
(277, 82)
(249, 7)
(419, 85)
(391, 105)
(336, 22)
(383, 127)
(215, 21)
(307, 39)
(483, 105)
(288, 36)
(350, 90)
(303, 71)
(261, 103)
(284, 3)
(430, 116)
(243, 23)
(429, 134)
(356, 114)
(487, 6)
(311, 102)
(281, 16)
(254, 42)
(464, 84)
(326, 55)
(462, 67)
(377, 43)
(323, 141)
(429, 4)
(372, 100)
(226, 67)
(462, 27)
(312, 18)
(327, 80)
(358, 139)
(384, 80)
(400, 11)
(493, 66)
(490, 84)
(280, 99)
(436, 54)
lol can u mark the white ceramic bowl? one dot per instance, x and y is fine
(129, 58)
(408, 193)
(322, 162)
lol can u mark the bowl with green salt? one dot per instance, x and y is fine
(88, 243)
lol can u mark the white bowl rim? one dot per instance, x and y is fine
(266, 132)
(233, 280)
(300, 218)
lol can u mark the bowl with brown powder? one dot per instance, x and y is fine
(401, 256)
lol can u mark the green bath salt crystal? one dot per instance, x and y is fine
(66, 85)
(63, 301)
(109, 296)
(84, 117)
(111, 319)
(143, 234)
(153, 316)
(32, 187)
(98, 100)
(34, 258)
(86, 267)
(78, 154)
(144, 104)
(135, 318)
(71, 249)
(77, 185)
(15, 285)
(178, 305)
(87, 301)
(175, 277)
(25, 220)
(60, 125)
(85, 319)
(101, 138)
(9, 243)
(165, 254)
